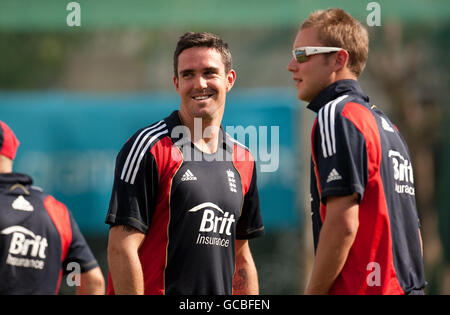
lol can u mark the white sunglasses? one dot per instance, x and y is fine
(301, 53)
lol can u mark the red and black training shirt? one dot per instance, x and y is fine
(39, 239)
(192, 206)
(357, 149)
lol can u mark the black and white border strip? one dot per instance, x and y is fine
(141, 145)
(326, 123)
(237, 142)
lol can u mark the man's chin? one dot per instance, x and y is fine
(207, 111)
(203, 114)
(303, 97)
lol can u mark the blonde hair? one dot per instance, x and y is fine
(336, 28)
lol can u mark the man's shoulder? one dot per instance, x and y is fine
(138, 148)
(346, 108)
(146, 137)
(20, 184)
(344, 103)
(241, 153)
(152, 131)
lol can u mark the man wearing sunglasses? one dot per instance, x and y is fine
(365, 222)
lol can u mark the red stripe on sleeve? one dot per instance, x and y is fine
(60, 216)
(153, 252)
(373, 242)
(322, 211)
(244, 163)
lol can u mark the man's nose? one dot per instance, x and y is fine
(292, 65)
(201, 82)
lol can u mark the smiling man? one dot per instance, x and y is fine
(365, 221)
(178, 225)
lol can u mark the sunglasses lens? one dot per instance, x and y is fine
(300, 56)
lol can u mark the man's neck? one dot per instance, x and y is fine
(204, 132)
(6, 164)
(345, 75)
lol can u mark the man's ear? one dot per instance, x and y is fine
(341, 59)
(231, 78)
(175, 82)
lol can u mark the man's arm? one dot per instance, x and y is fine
(124, 264)
(335, 240)
(91, 282)
(245, 279)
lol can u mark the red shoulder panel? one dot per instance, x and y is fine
(365, 122)
(243, 162)
(153, 252)
(60, 217)
(373, 243)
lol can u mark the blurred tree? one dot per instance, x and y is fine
(34, 61)
(404, 63)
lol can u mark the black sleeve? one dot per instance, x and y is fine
(341, 158)
(250, 222)
(134, 192)
(79, 251)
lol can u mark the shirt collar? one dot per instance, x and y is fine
(335, 90)
(15, 178)
(174, 120)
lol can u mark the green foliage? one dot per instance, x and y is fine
(34, 61)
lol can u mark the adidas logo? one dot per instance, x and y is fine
(188, 176)
(334, 175)
(22, 204)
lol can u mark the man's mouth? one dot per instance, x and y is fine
(202, 97)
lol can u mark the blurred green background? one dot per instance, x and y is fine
(73, 95)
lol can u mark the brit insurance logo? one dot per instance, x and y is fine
(403, 173)
(26, 249)
(216, 225)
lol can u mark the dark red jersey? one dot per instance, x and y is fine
(38, 239)
(357, 149)
(192, 207)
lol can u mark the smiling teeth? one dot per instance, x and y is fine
(201, 97)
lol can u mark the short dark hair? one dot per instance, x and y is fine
(202, 39)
